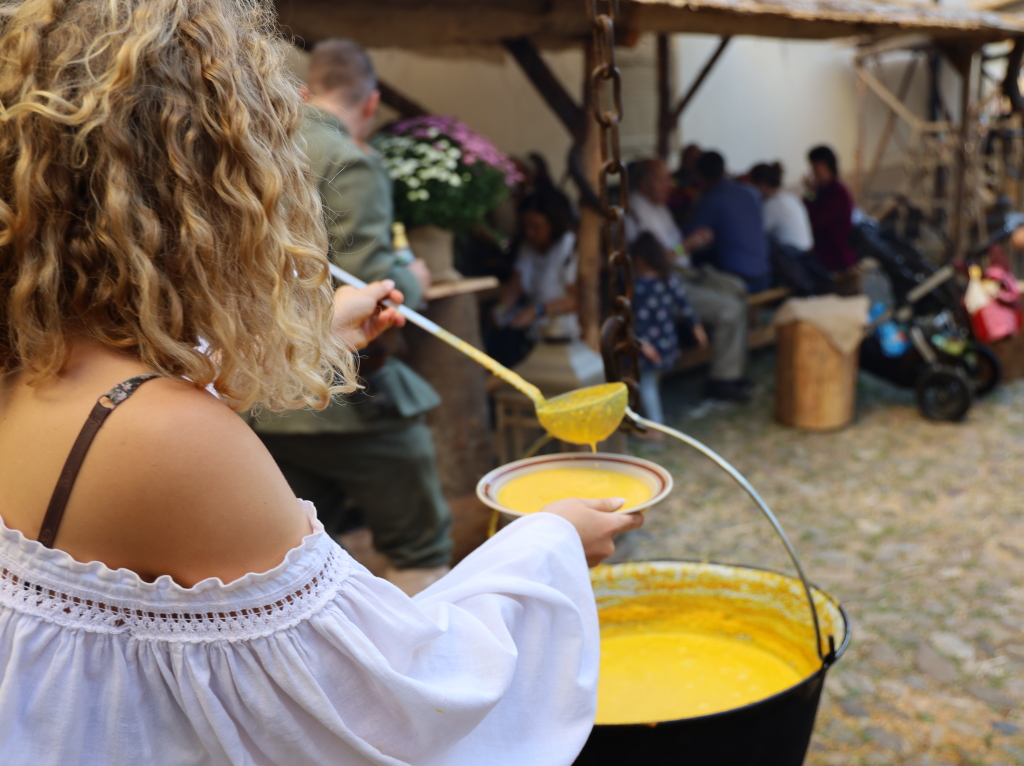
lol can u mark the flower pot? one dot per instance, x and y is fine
(436, 246)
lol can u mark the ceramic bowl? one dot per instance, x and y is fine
(657, 479)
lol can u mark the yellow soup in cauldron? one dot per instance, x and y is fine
(532, 491)
(649, 676)
(683, 654)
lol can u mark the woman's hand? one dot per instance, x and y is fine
(358, 316)
(596, 524)
(650, 352)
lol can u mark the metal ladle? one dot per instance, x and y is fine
(584, 416)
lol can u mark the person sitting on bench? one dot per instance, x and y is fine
(830, 206)
(732, 211)
(790, 239)
(720, 300)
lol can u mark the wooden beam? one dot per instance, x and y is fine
(704, 72)
(862, 130)
(956, 230)
(547, 84)
(890, 125)
(892, 43)
(400, 103)
(665, 124)
(888, 98)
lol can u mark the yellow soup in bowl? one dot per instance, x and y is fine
(532, 491)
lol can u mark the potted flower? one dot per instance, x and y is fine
(446, 178)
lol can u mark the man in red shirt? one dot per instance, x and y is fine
(830, 206)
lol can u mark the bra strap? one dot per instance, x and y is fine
(100, 411)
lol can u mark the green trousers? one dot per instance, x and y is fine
(386, 479)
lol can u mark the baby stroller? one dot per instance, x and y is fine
(923, 340)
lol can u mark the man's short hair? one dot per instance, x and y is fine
(639, 171)
(342, 65)
(825, 156)
(711, 166)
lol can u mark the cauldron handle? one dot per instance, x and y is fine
(826, 659)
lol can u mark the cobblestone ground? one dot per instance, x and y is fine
(917, 528)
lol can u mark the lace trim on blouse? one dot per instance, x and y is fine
(248, 618)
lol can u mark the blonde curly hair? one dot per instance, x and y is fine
(153, 198)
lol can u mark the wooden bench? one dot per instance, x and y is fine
(760, 333)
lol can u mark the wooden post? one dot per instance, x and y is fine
(588, 285)
(858, 151)
(666, 125)
(956, 232)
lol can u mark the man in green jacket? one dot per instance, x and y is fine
(368, 457)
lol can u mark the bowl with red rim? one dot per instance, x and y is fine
(657, 480)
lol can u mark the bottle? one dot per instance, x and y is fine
(400, 244)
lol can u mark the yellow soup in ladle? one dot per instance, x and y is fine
(532, 491)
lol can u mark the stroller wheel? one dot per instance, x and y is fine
(944, 393)
(983, 367)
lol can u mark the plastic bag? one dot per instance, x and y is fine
(992, 305)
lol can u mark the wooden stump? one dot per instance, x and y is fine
(1011, 353)
(461, 423)
(815, 385)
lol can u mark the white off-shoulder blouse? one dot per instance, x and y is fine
(316, 662)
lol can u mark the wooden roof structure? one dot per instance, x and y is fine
(559, 23)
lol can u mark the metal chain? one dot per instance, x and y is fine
(619, 346)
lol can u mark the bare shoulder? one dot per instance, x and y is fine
(185, 432)
(195, 494)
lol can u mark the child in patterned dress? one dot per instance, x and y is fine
(662, 312)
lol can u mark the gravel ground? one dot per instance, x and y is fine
(915, 527)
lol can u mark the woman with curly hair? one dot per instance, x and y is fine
(164, 598)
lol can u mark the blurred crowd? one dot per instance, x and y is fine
(702, 240)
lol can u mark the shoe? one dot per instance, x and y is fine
(415, 579)
(727, 391)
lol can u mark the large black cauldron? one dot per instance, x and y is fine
(773, 732)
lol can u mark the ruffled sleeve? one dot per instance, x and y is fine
(494, 664)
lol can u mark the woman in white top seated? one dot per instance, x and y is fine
(164, 598)
(545, 268)
(539, 301)
(786, 222)
(790, 237)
